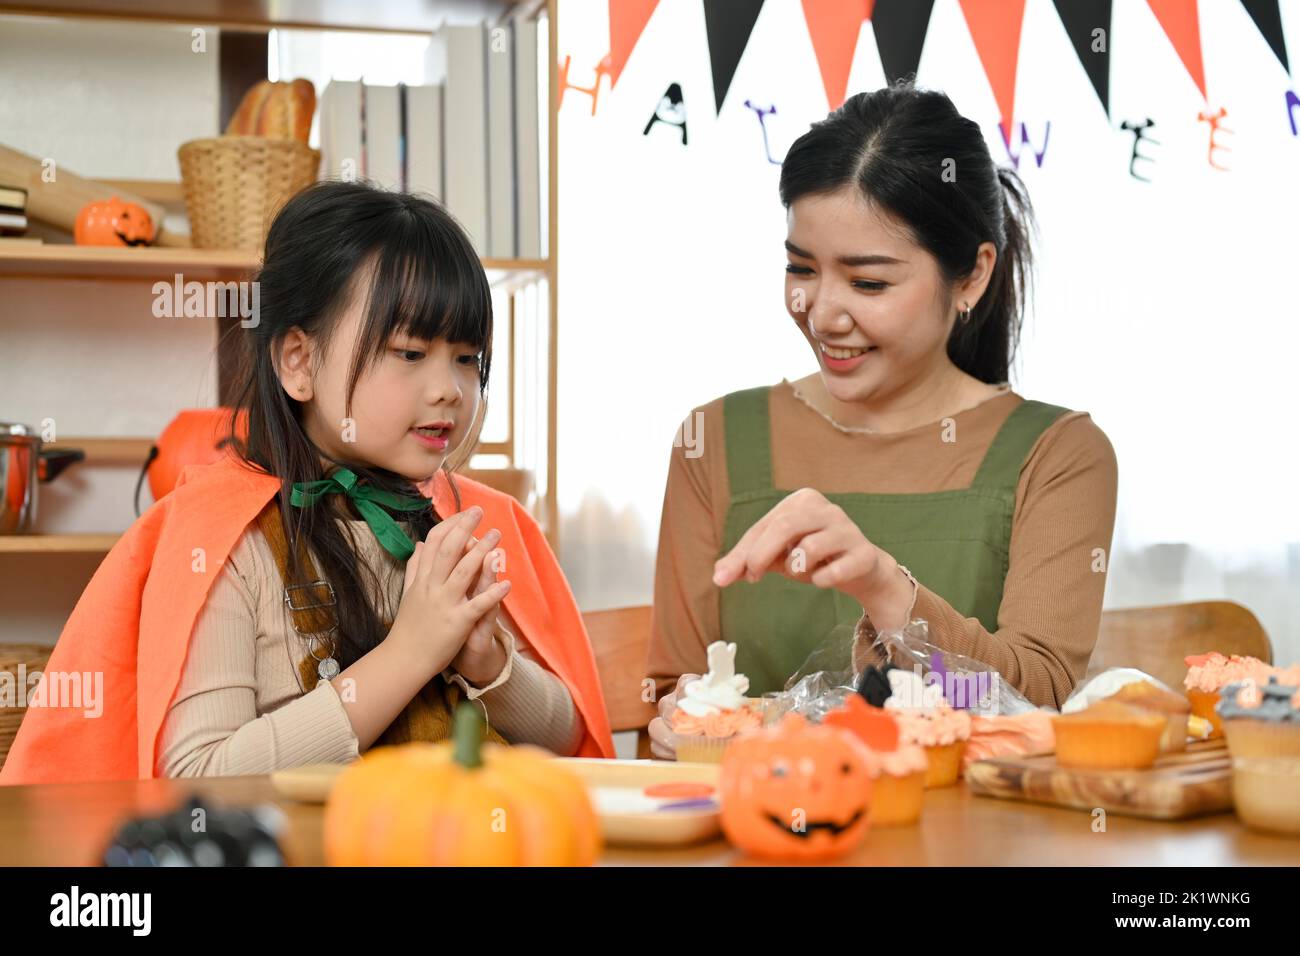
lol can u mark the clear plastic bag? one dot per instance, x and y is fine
(967, 684)
(830, 674)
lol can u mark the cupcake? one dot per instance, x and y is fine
(713, 710)
(926, 720)
(1208, 673)
(1159, 700)
(1109, 735)
(1261, 721)
(942, 733)
(1262, 725)
(1266, 793)
(900, 783)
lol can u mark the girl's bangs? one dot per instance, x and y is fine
(410, 295)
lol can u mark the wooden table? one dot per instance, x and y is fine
(68, 825)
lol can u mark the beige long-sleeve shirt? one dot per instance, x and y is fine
(1060, 535)
(240, 707)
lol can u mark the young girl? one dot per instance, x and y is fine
(904, 479)
(329, 586)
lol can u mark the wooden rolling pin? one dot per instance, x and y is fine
(59, 202)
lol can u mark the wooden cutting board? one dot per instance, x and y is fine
(1180, 785)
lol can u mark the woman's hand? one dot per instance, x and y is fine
(807, 538)
(663, 741)
(437, 612)
(482, 657)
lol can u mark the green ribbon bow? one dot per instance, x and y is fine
(367, 499)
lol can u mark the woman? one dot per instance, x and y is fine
(905, 479)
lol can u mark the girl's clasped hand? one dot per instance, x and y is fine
(450, 598)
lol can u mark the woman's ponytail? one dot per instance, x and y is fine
(985, 346)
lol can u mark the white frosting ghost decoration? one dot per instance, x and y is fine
(720, 689)
(908, 691)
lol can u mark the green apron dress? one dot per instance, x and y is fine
(956, 543)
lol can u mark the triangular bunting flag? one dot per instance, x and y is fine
(995, 27)
(727, 24)
(1179, 20)
(1081, 18)
(900, 27)
(1268, 18)
(627, 20)
(834, 26)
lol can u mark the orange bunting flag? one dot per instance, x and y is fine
(1181, 23)
(834, 26)
(627, 20)
(995, 29)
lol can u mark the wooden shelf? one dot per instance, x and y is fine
(54, 261)
(120, 450)
(57, 543)
(513, 481)
(102, 450)
(391, 16)
(66, 261)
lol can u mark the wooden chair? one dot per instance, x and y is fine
(620, 639)
(1156, 639)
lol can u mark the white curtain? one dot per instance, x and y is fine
(1166, 309)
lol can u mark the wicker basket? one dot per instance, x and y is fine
(35, 656)
(234, 185)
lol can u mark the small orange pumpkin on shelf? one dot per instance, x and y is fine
(459, 803)
(797, 791)
(112, 222)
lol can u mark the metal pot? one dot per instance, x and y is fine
(23, 464)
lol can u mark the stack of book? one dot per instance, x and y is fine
(470, 138)
(13, 211)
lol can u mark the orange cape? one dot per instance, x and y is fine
(134, 620)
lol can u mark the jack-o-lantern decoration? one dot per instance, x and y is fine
(113, 222)
(797, 791)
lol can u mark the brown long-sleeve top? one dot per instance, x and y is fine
(240, 707)
(1064, 512)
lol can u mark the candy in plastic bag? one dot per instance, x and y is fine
(967, 684)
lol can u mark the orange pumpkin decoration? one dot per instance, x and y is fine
(797, 791)
(112, 222)
(460, 803)
(196, 436)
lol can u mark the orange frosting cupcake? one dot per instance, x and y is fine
(942, 731)
(900, 784)
(725, 723)
(712, 710)
(1207, 674)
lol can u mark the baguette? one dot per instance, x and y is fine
(276, 111)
